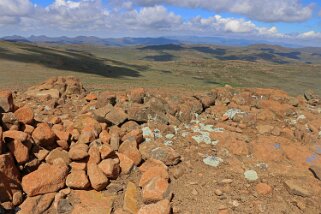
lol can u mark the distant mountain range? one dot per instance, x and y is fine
(128, 41)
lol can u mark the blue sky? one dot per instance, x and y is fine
(295, 20)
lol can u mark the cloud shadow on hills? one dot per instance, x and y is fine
(81, 62)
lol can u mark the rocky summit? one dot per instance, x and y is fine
(65, 149)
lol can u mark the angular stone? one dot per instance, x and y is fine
(126, 164)
(106, 151)
(105, 137)
(110, 168)
(97, 178)
(295, 188)
(37, 205)
(78, 151)
(58, 153)
(130, 198)
(20, 150)
(91, 202)
(137, 95)
(14, 135)
(114, 141)
(155, 190)
(163, 153)
(151, 163)
(153, 172)
(94, 154)
(43, 135)
(161, 207)
(43, 180)
(24, 115)
(116, 116)
(85, 121)
(6, 101)
(9, 120)
(129, 148)
(77, 179)
(9, 178)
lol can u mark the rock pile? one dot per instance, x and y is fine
(61, 147)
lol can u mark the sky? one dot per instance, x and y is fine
(276, 20)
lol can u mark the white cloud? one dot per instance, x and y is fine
(11, 11)
(262, 10)
(218, 24)
(310, 35)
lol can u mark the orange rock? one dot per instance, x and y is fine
(37, 204)
(116, 116)
(43, 180)
(137, 95)
(6, 101)
(129, 148)
(155, 190)
(130, 198)
(91, 97)
(24, 115)
(263, 189)
(110, 168)
(157, 171)
(126, 164)
(150, 163)
(97, 178)
(9, 178)
(77, 179)
(161, 207)
(105, 137)
(43, 135)
(106, 151)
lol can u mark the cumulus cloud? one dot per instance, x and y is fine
(11, 11)
(218, 24)
(262, 10)
(124, 18)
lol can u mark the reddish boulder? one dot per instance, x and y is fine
(6, 101)
(129, 148)
(161, 207)
(155, 190)
(110, 168)
(9, 178)
(126, 164)
(24, 115)
(116, 116)
(46, 179)
(77, 179)
(43, 135)
(97, 178)
(137, 95)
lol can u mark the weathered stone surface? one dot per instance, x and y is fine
(9, 178)
(295, 188)
(129, 148)
(152, 172)
(130, 198)
(37, 204)
(43, 180)
(91, 202)
(116, 116)
(165, 154)
(24, 115)
(77, 179)
(43, 135)
(126, 164)
(110, 167)
(58, 153)
(161, 207)
(6, 101)
(98, 179)
(263, 189)
(136, 95)
(78, 151)
(155, 190)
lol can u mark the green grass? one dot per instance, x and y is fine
(185, 67)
